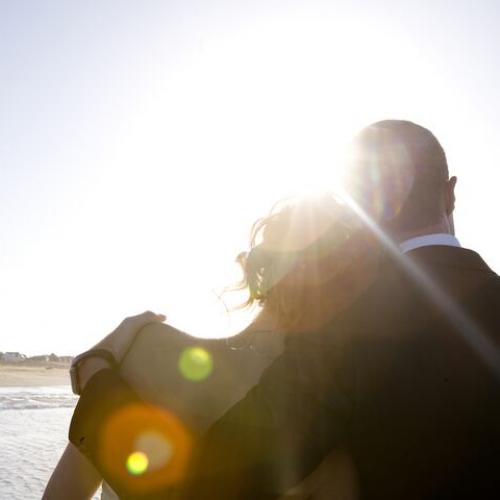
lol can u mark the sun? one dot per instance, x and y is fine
(251, 116)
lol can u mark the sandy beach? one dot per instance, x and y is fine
(24, 375)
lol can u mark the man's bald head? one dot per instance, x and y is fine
(399, 174)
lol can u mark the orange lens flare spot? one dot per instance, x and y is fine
(156, 447)
(144, 448)
(137, 463)
(195, 364)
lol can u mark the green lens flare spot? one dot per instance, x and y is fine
(137, 463)
(195, 364)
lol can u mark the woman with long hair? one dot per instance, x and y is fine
(308, 260)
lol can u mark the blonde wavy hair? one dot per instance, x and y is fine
(298, 258)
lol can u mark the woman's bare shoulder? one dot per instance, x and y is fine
(151, 362)
(158, 335)
(195, 378)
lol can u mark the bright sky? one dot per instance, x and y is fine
(140, 140)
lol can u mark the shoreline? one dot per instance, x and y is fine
(34, 375)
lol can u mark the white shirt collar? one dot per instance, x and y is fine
(429, 240)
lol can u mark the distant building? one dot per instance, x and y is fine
(13, 357)
(43, 357)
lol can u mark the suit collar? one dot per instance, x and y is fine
(427, 240)
(449, 256)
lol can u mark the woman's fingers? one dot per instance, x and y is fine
(120, 339)
(144, 319)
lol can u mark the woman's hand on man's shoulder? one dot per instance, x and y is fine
(120, 339)
(118, 343)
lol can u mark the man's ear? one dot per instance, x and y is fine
(450, 195)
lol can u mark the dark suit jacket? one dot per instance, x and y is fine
(411, 386)
(407, 379)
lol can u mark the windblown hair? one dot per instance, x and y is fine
(294, 253)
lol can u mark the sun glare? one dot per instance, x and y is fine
(248, 114)
(241, 124)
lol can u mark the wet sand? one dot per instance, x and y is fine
(43, 374)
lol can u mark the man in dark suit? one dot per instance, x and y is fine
(407, 379)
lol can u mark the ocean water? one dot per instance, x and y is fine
(34, 425)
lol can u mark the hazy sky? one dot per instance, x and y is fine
(139, 140)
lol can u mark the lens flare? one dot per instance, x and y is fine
(137, 463)
(195, 364)
(156, 447)
(144, 448)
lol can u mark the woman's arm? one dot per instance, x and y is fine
(74, 476)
